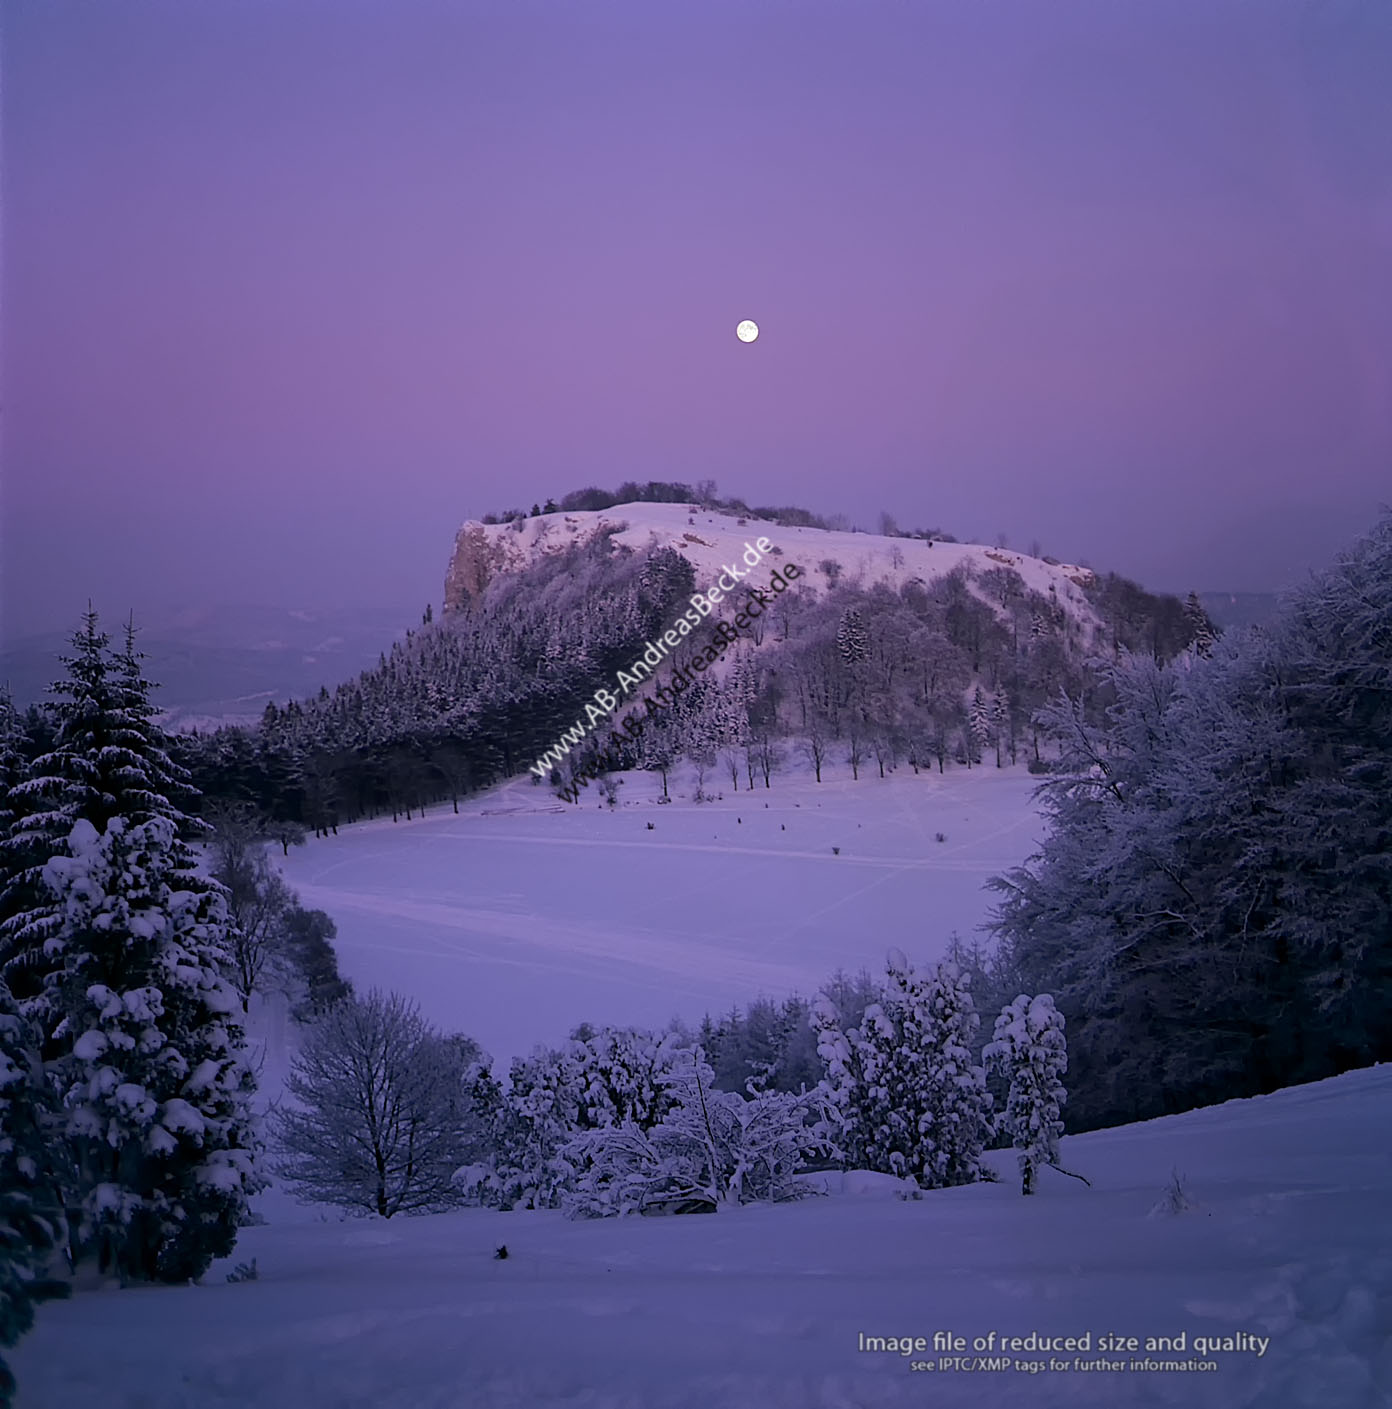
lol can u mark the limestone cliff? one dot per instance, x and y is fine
(484, 551)
(473, 564)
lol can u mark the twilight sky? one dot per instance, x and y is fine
(291, 289)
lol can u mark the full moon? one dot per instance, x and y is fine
(747, 331)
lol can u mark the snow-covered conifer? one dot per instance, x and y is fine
(842, 1084)
(852, 641)
(956, 1101)
(31, 1204)
(109, 759)
(152, 1074)
(1202, 633)
(907, 1099)
(978, 724)
(1030, 1052)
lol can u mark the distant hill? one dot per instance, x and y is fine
(223, 664)
(708, 538)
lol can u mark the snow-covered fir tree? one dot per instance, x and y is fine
(956, 1100)
(20, 860)
(696, 726)
(1202, 633)
(32, 1226)
(978, 725)
(1029, 1050)
(109, 759)
(906, 1096)
(844, 1079)
(657, 746)
(153, 1076)
(852, 640)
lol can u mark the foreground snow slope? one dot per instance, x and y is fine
(524, 916)
(762, 1308)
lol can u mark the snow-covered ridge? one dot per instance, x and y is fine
(708, 538)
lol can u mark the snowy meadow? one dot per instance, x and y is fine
(1282, 1235)
(524, 916)
(515, 920)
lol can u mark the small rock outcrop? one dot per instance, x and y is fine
(476, 560)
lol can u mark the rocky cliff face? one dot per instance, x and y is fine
(473, 565)
(484, 551)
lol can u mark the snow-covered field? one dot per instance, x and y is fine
(524, 916)
(515, 920)
(762, 1308)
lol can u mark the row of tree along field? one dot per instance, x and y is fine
(936, 675)
(390, 1116)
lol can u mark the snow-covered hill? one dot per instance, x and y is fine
(708, 539)
(1285, 1255)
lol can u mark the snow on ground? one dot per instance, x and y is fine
(762, 1308)
(716, 538)
(524, 916)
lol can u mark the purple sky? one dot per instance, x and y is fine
(290, 289)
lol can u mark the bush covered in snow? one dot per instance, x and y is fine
(712, 1148)
(602, 1078)
(905, 1095)
(1030, 1052)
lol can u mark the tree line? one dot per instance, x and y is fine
(932, 675)
(1212, 903)
(391, 1116)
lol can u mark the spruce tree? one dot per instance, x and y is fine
(119, 948)
(1202, 633)
(153, 1079)
(16, 868)
(109, 759)
(908, 1099)
(978, 726)
(956, 1101)
(852, 641)
(31, 1205)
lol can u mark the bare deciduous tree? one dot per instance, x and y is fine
(257, 897)
(379, 1120)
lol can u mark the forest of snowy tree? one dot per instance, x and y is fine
(948, 673)
(1212, 905)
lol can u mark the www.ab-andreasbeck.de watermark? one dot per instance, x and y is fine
(756, 600)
